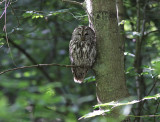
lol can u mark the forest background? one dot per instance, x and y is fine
(38, 32)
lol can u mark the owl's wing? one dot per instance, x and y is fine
(71, 49)
(93, 51)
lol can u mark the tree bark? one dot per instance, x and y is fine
(109, 66)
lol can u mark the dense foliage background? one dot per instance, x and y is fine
(39, 32)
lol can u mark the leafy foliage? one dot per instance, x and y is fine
(89, 79)
(114, 104)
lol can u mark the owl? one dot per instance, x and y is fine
(82, 51)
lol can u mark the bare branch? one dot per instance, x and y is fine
(73, 2)
(38, 65)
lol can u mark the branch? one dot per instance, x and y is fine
(30, 58)
(144, 116)
(120, 10)
(138, 56)
(151, 32)
(155, 82)
(37, 65)
(73, 2)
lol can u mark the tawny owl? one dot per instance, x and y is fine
(82, 50)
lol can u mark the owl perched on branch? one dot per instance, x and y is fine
(82, 50)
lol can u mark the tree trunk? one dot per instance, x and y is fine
(109, 66)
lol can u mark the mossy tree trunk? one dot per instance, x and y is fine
(109, 66)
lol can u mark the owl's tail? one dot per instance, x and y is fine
(79, 74)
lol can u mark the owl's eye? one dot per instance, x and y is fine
(79, 34)
(86, 34)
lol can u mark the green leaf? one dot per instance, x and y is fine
(50, 92)
(36, 16)
(129, 68)
(2, 41)
(144, 73)
(53, 13)
(28, 14)
(33, 14)
(151, 97)
(157, 67)
(145, 66)
(133, 34)
(122, 22)
(89, 79)
(94, 113)
(113, 104)
(129, 54)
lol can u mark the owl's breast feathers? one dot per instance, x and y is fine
(80, 53)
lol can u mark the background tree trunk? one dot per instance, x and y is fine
(109, 66)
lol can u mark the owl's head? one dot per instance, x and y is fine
(82, 33)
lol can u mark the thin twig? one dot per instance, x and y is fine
(5, 30)
(145, 116)
(15, 15)
(151, 32)
(73, 2)
(155, 82)
(6, 6)
(37, 65)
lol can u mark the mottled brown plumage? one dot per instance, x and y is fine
(82, 50)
